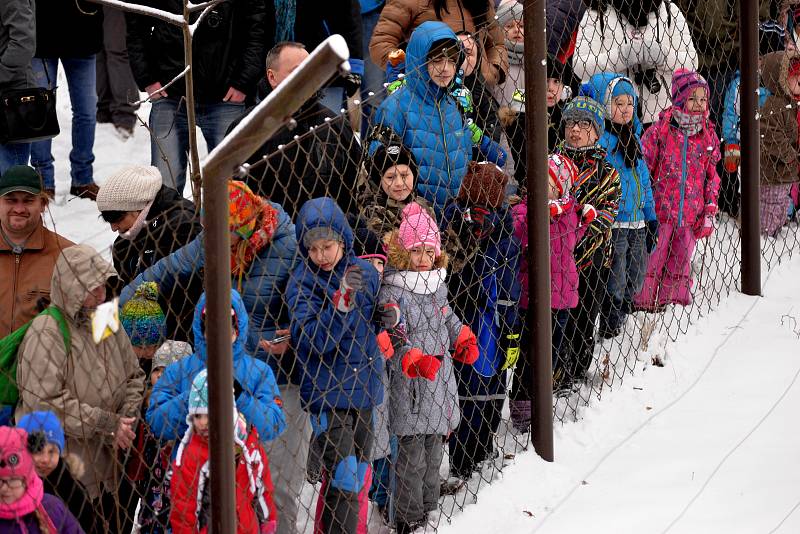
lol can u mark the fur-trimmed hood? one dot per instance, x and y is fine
(399, 258)
(775, 71)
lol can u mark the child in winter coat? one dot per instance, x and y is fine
(780, 144)
(190, 511)
(24, 506)
(428, 119)
(597, 189)
(46, 446)
(331, 297)
(682, 152)
(635, 229)
(485, 295)
(423, 391)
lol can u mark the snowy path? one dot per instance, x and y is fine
(723, 457)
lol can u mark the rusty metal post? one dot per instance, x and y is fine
(539, 321)
(751, 160)
(218, 166)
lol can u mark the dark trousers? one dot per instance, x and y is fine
(625, 280)
(417, 476)
(580, 330)
(473, 440)
(116, 88)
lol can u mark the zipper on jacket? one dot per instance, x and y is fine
(683, 178)
(17, 261)
(444, 140)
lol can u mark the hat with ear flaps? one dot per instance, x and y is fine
(484, 185)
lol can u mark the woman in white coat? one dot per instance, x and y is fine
(645, 40)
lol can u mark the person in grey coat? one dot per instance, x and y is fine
(424, 394)
(17, 46)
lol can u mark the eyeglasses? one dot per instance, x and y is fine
(583, 124)
(12, 483)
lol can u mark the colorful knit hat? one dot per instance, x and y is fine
(562, 172)
(198, 394)
(418, 228)
(243, 209)
(484, 185)
(684, 82)
(143, 318)
(46, 425)
(17, 462)
(585, 108)
(170, 352)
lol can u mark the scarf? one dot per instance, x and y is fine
(243, 253)
(627, 142)
(690, 122)
(30, 502)
(138, 224)
(516, 52)
(421, 283)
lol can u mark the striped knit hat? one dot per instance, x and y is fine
(684, 82)
(142, 317)
(563, 173)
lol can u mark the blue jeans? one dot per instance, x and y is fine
(169, 137)
(628, 267)
(14, 154)
(374, 75)
(82, 83)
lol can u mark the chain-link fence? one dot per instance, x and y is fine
(380, 363)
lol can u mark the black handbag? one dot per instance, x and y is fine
(28, 115)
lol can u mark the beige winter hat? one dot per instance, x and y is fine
(129, 189)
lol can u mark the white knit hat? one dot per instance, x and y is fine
(129, 189)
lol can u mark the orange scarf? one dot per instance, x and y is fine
(243, 253)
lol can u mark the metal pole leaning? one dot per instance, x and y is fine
(217, 167)
(539, 321)
(751, 160)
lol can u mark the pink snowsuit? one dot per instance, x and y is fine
(683, 171)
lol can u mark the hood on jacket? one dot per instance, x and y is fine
(423, 37)
(323, 213)
(400, 259)
(79, 269)
(200, 346)
(601, 86)
(775, 71)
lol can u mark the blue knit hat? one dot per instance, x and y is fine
(46, 423)
(585, 108)
(198, 394)
(143, 318)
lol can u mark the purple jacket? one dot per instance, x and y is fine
(565, 231)
(63, 520)
(683, 170)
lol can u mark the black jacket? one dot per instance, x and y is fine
(63, 485)
(171, 224)
(324, 162)
(68, 28)
(228, 49)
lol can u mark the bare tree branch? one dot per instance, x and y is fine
(172, 81)
(208, 7)
(139, 9)
(197, 7)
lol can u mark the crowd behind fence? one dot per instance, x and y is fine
(381, 369)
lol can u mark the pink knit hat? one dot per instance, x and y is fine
(418, 228)
(684, 82)
(17, 462)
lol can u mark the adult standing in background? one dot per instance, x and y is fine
(17, 46)
(116, 88)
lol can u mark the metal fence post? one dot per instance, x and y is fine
(751, 160)
(540, 328)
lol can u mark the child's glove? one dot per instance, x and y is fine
(415, 364)
(651, 239)
(395, 85)
(352, 282)
(510, 345)
(389, 314)
(588, 214)
(704, 226)
(466, 349)
(733, 156)
(385, 344)
(557, 207)
(352, 82)
(475, 130)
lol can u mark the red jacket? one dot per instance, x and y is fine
(189, 480)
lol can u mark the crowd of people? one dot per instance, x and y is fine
(379, 265)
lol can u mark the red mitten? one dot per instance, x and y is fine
(410, 361)
(466, 350)
(428, 366)
(588, 214)
(385, 344)
(710, 210)
(557, 207)
(704, 227)
(732, 157)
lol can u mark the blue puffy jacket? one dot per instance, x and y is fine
(259, 400)
(636, 199)
(261, 286)
(429, 121)
(730, 109)
(339, 362)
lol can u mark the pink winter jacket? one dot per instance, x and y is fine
(565, 232)
(683, 170)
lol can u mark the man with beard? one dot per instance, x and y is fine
(322, 162)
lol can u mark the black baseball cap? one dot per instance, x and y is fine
(20, 178)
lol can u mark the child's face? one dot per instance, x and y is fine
(470, 54)
(442, 70)
(794, 84)
(378, 264)
(422, 258)
(398, 182)
(515, 31)
(145, 353)
(11, 489)
(46, 460)
(200, 425)
(554, 89)
(155, 374)
(326, 253)
(579, 134)
(622, 109)
(552, 189)
(698, 101)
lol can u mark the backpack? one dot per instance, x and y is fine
(9, 345)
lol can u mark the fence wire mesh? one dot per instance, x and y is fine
(381, 373)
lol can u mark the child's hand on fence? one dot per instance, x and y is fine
(651, 239)
(588, 214)
(704, 226)
(385, 344)
(557, 207)
(389, 314)
(352, 282)
(466, 349)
